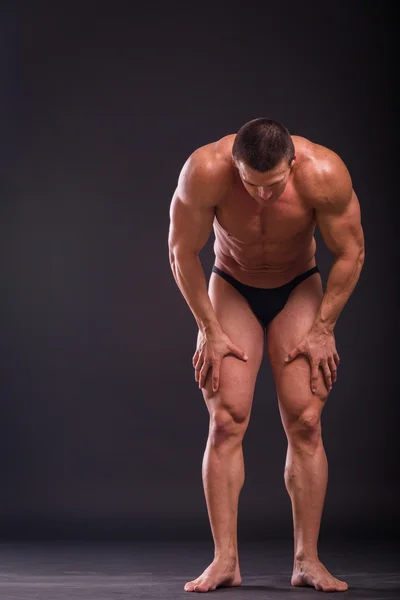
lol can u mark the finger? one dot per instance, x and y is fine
(292, 355)
(216, 368)
(327, 374)
(238, 352)
(195, 358)
(332, 366)
(337, 359)
(198, 366)
(314, 376)
(203, 373)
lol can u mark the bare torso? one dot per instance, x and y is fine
(263, 246)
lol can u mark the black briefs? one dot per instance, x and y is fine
(266, 303)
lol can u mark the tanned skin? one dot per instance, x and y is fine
(264, 236)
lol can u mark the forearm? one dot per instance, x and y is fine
(342, 279)
(190, 278)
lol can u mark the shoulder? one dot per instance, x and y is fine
(322, 177)
(206, 172)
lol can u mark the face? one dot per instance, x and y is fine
(265, 187)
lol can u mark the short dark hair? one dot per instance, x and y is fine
(262, 143)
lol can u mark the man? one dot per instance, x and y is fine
(264, 191)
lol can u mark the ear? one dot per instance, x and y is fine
(293, 161)
(234, 162)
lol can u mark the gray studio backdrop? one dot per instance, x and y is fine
(102, 427)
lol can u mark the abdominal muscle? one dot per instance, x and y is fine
(264, 263)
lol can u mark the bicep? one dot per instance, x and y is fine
(190, 225)
(341, 227)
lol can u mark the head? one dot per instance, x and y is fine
(263, 152)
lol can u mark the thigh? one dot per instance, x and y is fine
(287, 329)
(237, 378)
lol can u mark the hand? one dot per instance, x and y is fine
(212, 347)
(320, 349)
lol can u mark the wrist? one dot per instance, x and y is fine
(207, 327)
(323, 328)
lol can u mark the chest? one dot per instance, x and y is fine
(241, 219)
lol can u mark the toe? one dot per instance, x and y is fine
(189, 586)
(334, 586)
(201, 587)
(325, 586)
(340, 585)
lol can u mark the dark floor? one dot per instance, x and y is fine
(107, 571)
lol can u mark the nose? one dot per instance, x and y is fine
(264, 193)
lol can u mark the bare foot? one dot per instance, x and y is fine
(314, 574)
(221, 573)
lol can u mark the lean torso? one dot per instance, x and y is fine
(263, 246)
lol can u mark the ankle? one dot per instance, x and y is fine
(227, 556)
(305, 556)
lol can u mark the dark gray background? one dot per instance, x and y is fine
(102, 427)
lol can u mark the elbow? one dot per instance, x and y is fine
(173, 260)
(173, 251)
(353, 254)
(176, 254)
(361, 255)
(358, 259)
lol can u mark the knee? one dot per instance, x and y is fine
(304, 429)
(226, 426)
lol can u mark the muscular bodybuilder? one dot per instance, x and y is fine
(264, 191)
